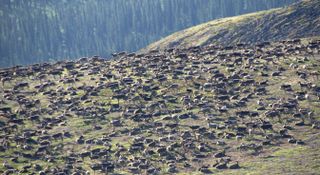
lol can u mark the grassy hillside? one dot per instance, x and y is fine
(222, 110)
(297, 21)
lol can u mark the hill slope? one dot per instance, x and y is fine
(192, 111)
(297, 21)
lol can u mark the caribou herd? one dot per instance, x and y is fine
(171, 111)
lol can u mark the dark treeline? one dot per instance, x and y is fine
(42, 30)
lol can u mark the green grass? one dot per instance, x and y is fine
(268, 25)
(280, 159)
(199, 34)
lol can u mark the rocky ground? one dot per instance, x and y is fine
(226, 110)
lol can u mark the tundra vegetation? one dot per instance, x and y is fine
(207, 109)
(299, 20)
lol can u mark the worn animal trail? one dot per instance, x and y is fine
(201, 109)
